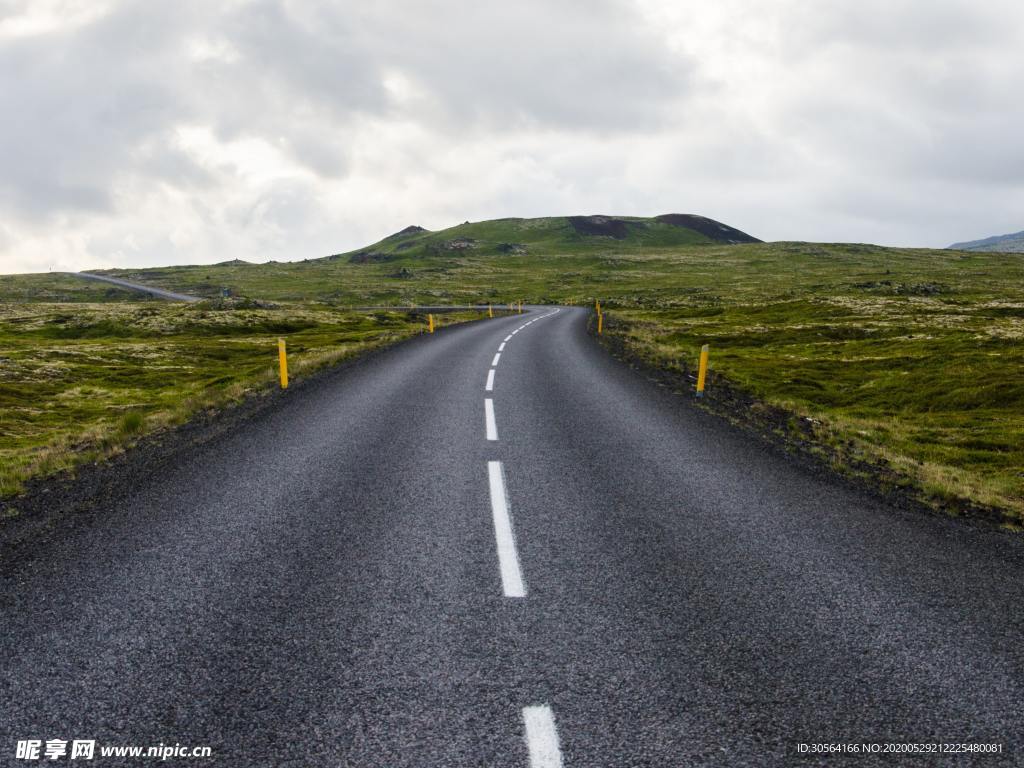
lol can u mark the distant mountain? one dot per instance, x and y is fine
(1003, 243)
(553, 235)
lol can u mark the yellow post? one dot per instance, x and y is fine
(490, 312)
(282, 357)
(520, 307)
(597, 306)
(430, 323)
(600, 323)
(703, 371)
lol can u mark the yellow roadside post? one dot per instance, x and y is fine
(430, 323)
(520, 307)
(490, 312)
(703, 371)
(600, 323)
(597, 306)
(282, 357)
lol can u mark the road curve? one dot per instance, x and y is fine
(159, 293)
(387, 571)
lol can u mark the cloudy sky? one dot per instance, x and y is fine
(151, 132)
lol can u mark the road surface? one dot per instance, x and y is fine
(497, 546)
(159, 293)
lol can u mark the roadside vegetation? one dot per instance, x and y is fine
(901, 364)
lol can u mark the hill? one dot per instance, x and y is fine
(1013, 243)
(560, 234)
(479, 261)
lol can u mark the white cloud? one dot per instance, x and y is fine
(29, 18)
(140, 133)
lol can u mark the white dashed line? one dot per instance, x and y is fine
(508, 560)
(538, 721)
(542, 737)
(492, 427)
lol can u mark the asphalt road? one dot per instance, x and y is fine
(159, 293)
(362, 577)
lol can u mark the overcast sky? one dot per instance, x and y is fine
(145, 133)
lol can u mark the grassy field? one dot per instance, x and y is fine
(908, 359)
(80, 382)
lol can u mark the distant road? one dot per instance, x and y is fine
(160, 293)
(498, 546)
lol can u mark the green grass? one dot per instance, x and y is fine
(80, 382)
(905, 357)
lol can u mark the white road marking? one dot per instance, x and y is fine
(508, 560)
(542, 737)
(490, 381)
(492, 427)
(497, 357)
(501, 347)
(508, 338)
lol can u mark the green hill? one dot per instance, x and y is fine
(499, 260)
(549, 236)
